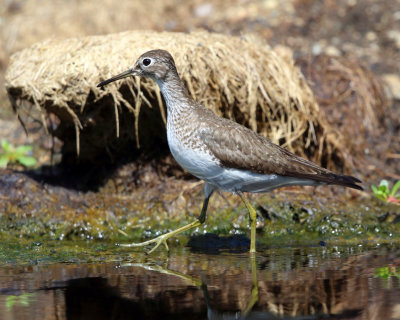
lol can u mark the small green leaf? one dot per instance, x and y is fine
(384, 189)
(383, 273)
(27, 161)
(396, 273)
(10, 301)
(3, 161)
(379, 193)
(395, 188)
(384, 183)
(5, 145)
(24, 149)
(24, 302)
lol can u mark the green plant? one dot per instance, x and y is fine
(13, 154)
(23, 300)
(384, 193)
(387, 272)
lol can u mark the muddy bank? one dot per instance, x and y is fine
(38, 210)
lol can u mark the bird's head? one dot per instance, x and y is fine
(154, 64)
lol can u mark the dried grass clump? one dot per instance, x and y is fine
(353, 99)
(239, 78)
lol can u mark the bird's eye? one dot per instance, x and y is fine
(146, 62)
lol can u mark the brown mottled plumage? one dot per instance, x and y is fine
(225, 154)
(239, 147)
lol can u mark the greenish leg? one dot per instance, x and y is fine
(254, 290)
(164, 237)
(253, 220)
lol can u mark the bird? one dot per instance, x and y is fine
(225, 154)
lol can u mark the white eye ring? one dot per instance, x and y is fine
(147, 61)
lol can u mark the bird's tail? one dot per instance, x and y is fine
(334, 179)
(347, 181)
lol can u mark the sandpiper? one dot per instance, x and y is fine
(223, 153)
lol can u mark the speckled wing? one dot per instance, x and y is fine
(239, 147)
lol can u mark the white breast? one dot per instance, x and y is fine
(197, 160)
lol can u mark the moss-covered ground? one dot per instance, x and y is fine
(33, 213)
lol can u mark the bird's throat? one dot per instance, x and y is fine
(175, 94)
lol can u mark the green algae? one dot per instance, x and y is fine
(280, 221)
(31, 253)
(25, 252)
(287, 222)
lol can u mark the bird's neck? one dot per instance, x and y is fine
(175, 94)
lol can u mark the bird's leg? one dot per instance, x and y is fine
(254, 290)
(164, 237)
(253, 220)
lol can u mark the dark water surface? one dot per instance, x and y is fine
(321, 282)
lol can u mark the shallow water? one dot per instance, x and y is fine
(312, 282)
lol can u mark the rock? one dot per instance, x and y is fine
(332, 51)
(393, 82)
(204, 10)
(394, 35)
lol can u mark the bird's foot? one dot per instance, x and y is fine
(163, 238)
(159, 240)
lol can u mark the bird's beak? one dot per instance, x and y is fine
(130, 72)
